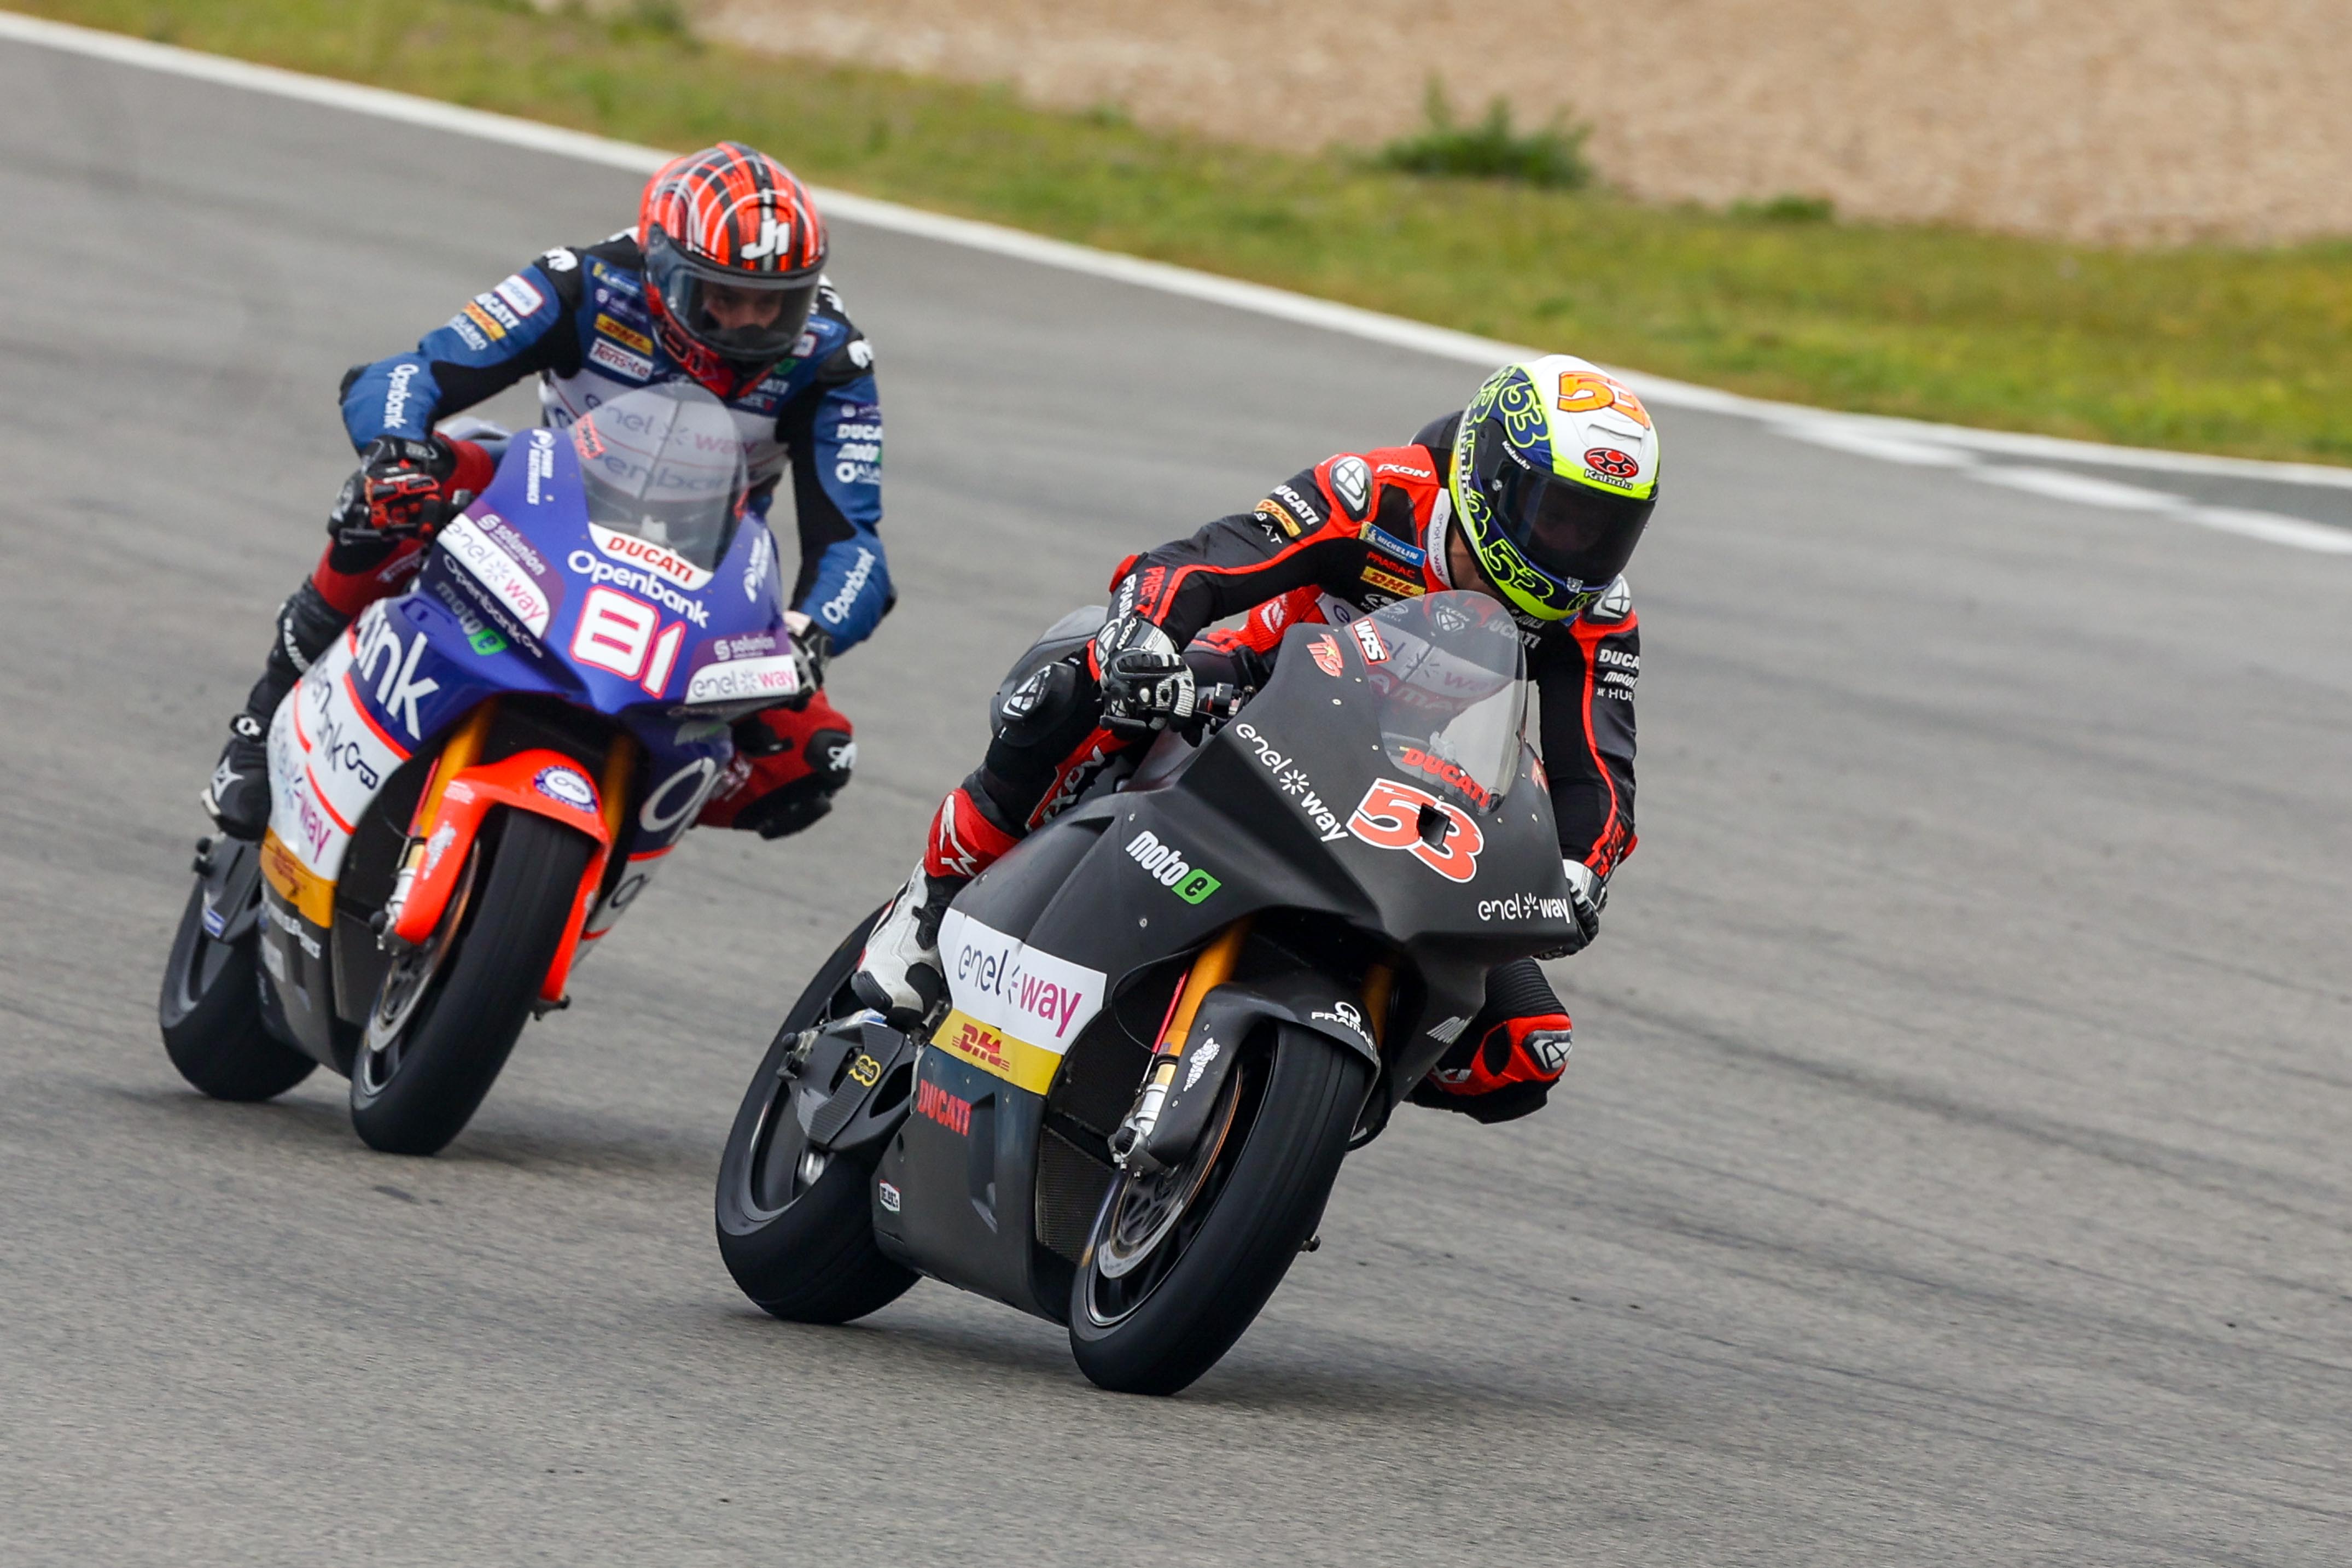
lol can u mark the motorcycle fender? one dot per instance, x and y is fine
(232, 880)
(1227, 1015)
(545, 783)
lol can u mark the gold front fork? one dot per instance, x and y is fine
(1380, 982)
(1212, 968)
(619, 762)
(462, 751)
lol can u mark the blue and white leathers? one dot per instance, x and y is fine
(578, 320)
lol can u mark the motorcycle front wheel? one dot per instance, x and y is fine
(1181, 1263)
(448, 1011)
(794, 1228)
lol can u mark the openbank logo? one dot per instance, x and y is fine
(1173, 870)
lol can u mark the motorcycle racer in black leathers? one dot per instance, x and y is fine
(1534, 495)
(720, 282)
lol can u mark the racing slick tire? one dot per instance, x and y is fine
(802, 1249)
(465, 993)
(1197, 1251)
(210, 1009)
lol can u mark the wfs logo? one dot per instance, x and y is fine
(1173, 870)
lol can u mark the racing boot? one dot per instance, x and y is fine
(1504, 1064)
(238, 796)
(898, 975)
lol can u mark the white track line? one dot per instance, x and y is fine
(1893, 440)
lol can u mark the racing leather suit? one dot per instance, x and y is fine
(577, 318)
(1355, 531)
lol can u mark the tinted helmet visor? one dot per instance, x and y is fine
(777, 305)
(1574, 533)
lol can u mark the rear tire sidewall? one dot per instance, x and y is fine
(815, 1259)
(212, 1025)
(458, 1039)
(1262, 1211)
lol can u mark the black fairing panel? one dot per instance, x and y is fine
(1264, 809)
(964, 1165)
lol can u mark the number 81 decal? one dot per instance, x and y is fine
(1389, 818)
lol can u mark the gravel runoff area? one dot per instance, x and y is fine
(2091, 119)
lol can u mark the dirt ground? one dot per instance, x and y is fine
(2094, 119)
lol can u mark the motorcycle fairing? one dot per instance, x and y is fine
(616, 622)
(1016, 1008)
(501, 609)
(966, 1169)
(1260, 818)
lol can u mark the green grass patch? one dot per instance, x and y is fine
(1551, 157)
(2208, 348)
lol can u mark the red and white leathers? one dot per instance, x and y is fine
(1355, 531)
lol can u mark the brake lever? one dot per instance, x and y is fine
(1213, 707)
(430, 517)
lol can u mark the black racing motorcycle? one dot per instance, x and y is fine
(1172, 1010)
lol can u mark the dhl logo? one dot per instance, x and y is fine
(984, 1045)
(1000, 1055)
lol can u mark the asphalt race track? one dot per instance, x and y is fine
(1954, 1166)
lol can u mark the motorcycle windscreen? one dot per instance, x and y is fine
(665, 463)
(1449, 675)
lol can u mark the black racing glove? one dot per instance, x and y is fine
(395, 492)
(1146, 685)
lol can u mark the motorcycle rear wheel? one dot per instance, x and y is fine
(210, 1009)
(1198, 1250)
(416, 1084)
(794, 1228)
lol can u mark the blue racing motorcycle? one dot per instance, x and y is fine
(476, 780)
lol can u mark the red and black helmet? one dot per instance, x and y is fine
(729, 217)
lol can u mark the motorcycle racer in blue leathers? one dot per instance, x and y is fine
(720, 282)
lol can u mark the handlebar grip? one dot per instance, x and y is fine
(1214, 707)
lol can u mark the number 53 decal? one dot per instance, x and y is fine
(1389, 818)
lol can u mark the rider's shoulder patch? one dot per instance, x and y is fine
(1614, 605)
(1351, 484)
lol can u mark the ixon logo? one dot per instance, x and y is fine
(1173, 870)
